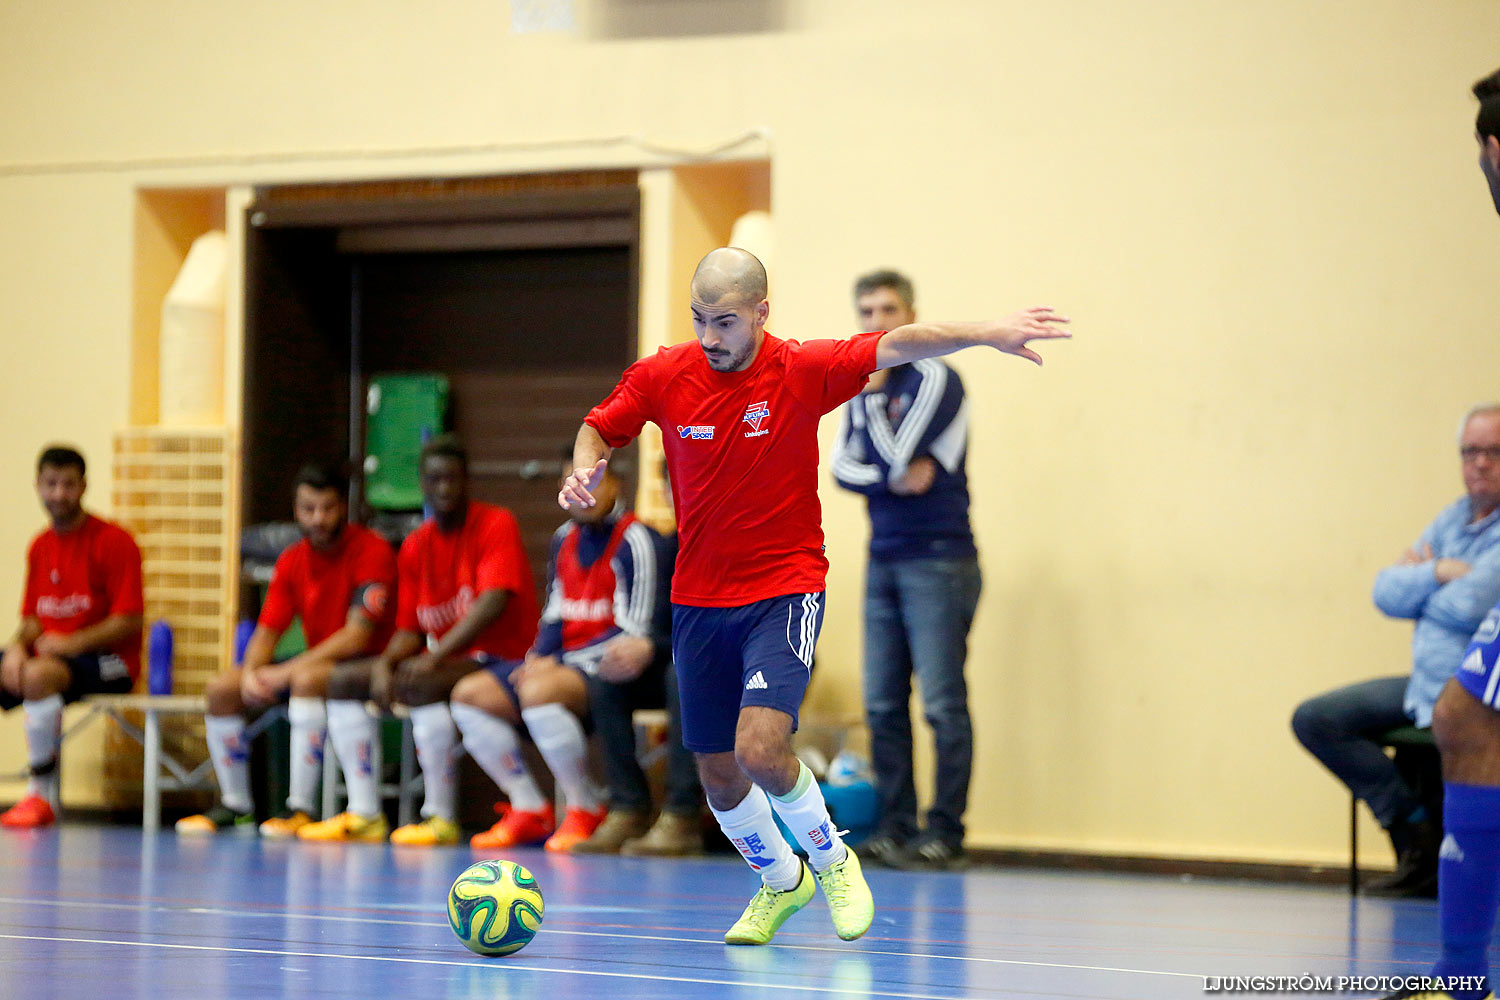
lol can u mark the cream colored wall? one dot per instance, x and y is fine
(1265, 219)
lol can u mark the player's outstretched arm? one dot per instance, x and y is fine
(590, 455)
(1010, 335)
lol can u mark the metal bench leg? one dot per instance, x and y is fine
(151, 779)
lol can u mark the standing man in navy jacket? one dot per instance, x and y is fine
(902, 443)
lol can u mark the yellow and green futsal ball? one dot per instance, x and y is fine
(495, 907)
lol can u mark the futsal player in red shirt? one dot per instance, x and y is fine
(338, 580)
(600, 628)
(466, 601)
(80, 629)
(739, 414)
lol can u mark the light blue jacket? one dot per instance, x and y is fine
(1446, 613)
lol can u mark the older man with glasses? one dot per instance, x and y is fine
(1445, 583)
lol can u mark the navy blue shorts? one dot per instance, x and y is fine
(92, 673)
(501, 670)
(1479, 671)
(729, 658)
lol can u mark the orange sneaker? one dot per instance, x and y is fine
(517, 828)
(32, 811)
(578, 825)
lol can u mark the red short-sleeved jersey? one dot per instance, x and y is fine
(742, 450)
(321, 586)
(442, 572)
(84, 576)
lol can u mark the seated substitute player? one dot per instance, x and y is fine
(465, 601)
(739, 413)
(599, 620)
(80, 629)
(338, 579)
(624, 683)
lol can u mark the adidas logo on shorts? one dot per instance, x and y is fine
(757, 682)
(1450, 851)
(1474, 663)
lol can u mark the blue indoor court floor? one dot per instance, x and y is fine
(106, 913)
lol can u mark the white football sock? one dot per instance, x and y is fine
(559, 736)
(229, 751)
(433, 731)
(354, 732)
(496, 748)
(309, 719)
(806, 814)
(43, 741)
(752, 829)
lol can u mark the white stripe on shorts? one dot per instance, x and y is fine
(807, 629)
(1490, 689)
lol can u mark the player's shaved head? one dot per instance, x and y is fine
(727, 275)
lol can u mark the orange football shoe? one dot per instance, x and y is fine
(32, 811)
(577, 826)
(516, 828)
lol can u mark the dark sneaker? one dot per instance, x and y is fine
(883, 850)
(1415, 877)
(935, 854)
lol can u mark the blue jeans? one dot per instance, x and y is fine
(1337, 727)
(917, 618)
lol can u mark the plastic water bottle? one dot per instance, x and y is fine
(159, 659)
(242, 633)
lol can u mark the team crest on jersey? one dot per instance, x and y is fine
(698, 432)
(755, 415)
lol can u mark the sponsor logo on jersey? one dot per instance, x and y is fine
(755, 415)
(438, 618)
(1474, 662)
(578, 610)
(698, 432)
(1489, 628)
(757, 682)
(69, 606)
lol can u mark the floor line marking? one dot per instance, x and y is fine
(483, 964)
(223, 912)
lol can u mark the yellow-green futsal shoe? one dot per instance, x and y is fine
(849, 900)
(769, 909)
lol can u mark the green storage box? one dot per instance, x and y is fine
(402, 411)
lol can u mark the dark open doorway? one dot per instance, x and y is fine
(521, 292)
